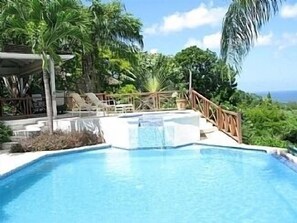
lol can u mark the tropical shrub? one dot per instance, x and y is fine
(5, 133)
(58, 141)
(127, 89)
(266, 122)
(291, 137)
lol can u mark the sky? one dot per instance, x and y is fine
(172, 25)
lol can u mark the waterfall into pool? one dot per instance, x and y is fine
(151, 131)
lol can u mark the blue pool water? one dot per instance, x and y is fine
(177, 185)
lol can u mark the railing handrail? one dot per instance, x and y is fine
(227, 121)
(230, 112)
(137, 94)
(204, 98)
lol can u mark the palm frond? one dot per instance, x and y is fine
(241, 25)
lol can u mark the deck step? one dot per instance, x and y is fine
(35, 127)
(17, 138)
(8, 145)
(25, 133)
(208, 130)
(16, 127)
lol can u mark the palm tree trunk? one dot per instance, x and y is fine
(88, 69)
(48, 99)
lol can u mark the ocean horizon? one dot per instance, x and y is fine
(280, 96)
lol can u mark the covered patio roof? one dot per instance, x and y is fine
(22, 64)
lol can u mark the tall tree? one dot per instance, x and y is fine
(210, 75)
(242, 23)
(113, 29)
(45, 24)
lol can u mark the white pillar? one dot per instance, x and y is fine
(190, 79)
(53, 88)
(190, 83)
(21, 85)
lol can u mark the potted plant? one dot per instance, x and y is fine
(181, 102)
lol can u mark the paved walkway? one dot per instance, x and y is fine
(12, 161)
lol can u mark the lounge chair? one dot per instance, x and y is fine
(120, 108)
(102, 105)
(79, 104)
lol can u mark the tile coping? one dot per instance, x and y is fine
(37, 156)
(34, 157)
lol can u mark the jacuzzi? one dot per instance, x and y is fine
(152, 129)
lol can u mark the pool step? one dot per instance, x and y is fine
(206, 126)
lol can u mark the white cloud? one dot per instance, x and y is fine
(287, 40)
(151, 30)
(153, 51)
(264, 40)
(289, 11)
(212, 41)
(208, 42)
(201, 16)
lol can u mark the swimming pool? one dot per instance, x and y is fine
(192, 184)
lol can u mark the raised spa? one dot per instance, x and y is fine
(152, 129)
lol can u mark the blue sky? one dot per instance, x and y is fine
(171, 25)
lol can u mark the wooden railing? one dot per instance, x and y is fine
(226, 121)
(143, 101)
(12, 107)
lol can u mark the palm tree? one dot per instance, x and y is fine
(241, 27)
(111, 29)
(155, 72)
(45, 25)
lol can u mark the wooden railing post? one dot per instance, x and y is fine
(157, 101)
(238, 126)
(193, 99)
(206, 108)
(219, 118)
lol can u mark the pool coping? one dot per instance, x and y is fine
(30, 158)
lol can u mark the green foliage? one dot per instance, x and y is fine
(264, 122)
(3, 90)
(210, 76)
(156, 72)
(116, 38)
(5, 133)
(127, 89)
(291, 136)
(58, 141)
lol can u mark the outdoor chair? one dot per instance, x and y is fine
(79, 104)
(60, 100)
(110, 105)
(38, 103)
(101, 105)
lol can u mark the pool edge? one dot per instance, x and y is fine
(47, 154)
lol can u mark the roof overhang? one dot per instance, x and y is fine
(22, 63)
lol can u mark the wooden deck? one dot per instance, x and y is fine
(226, 121)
